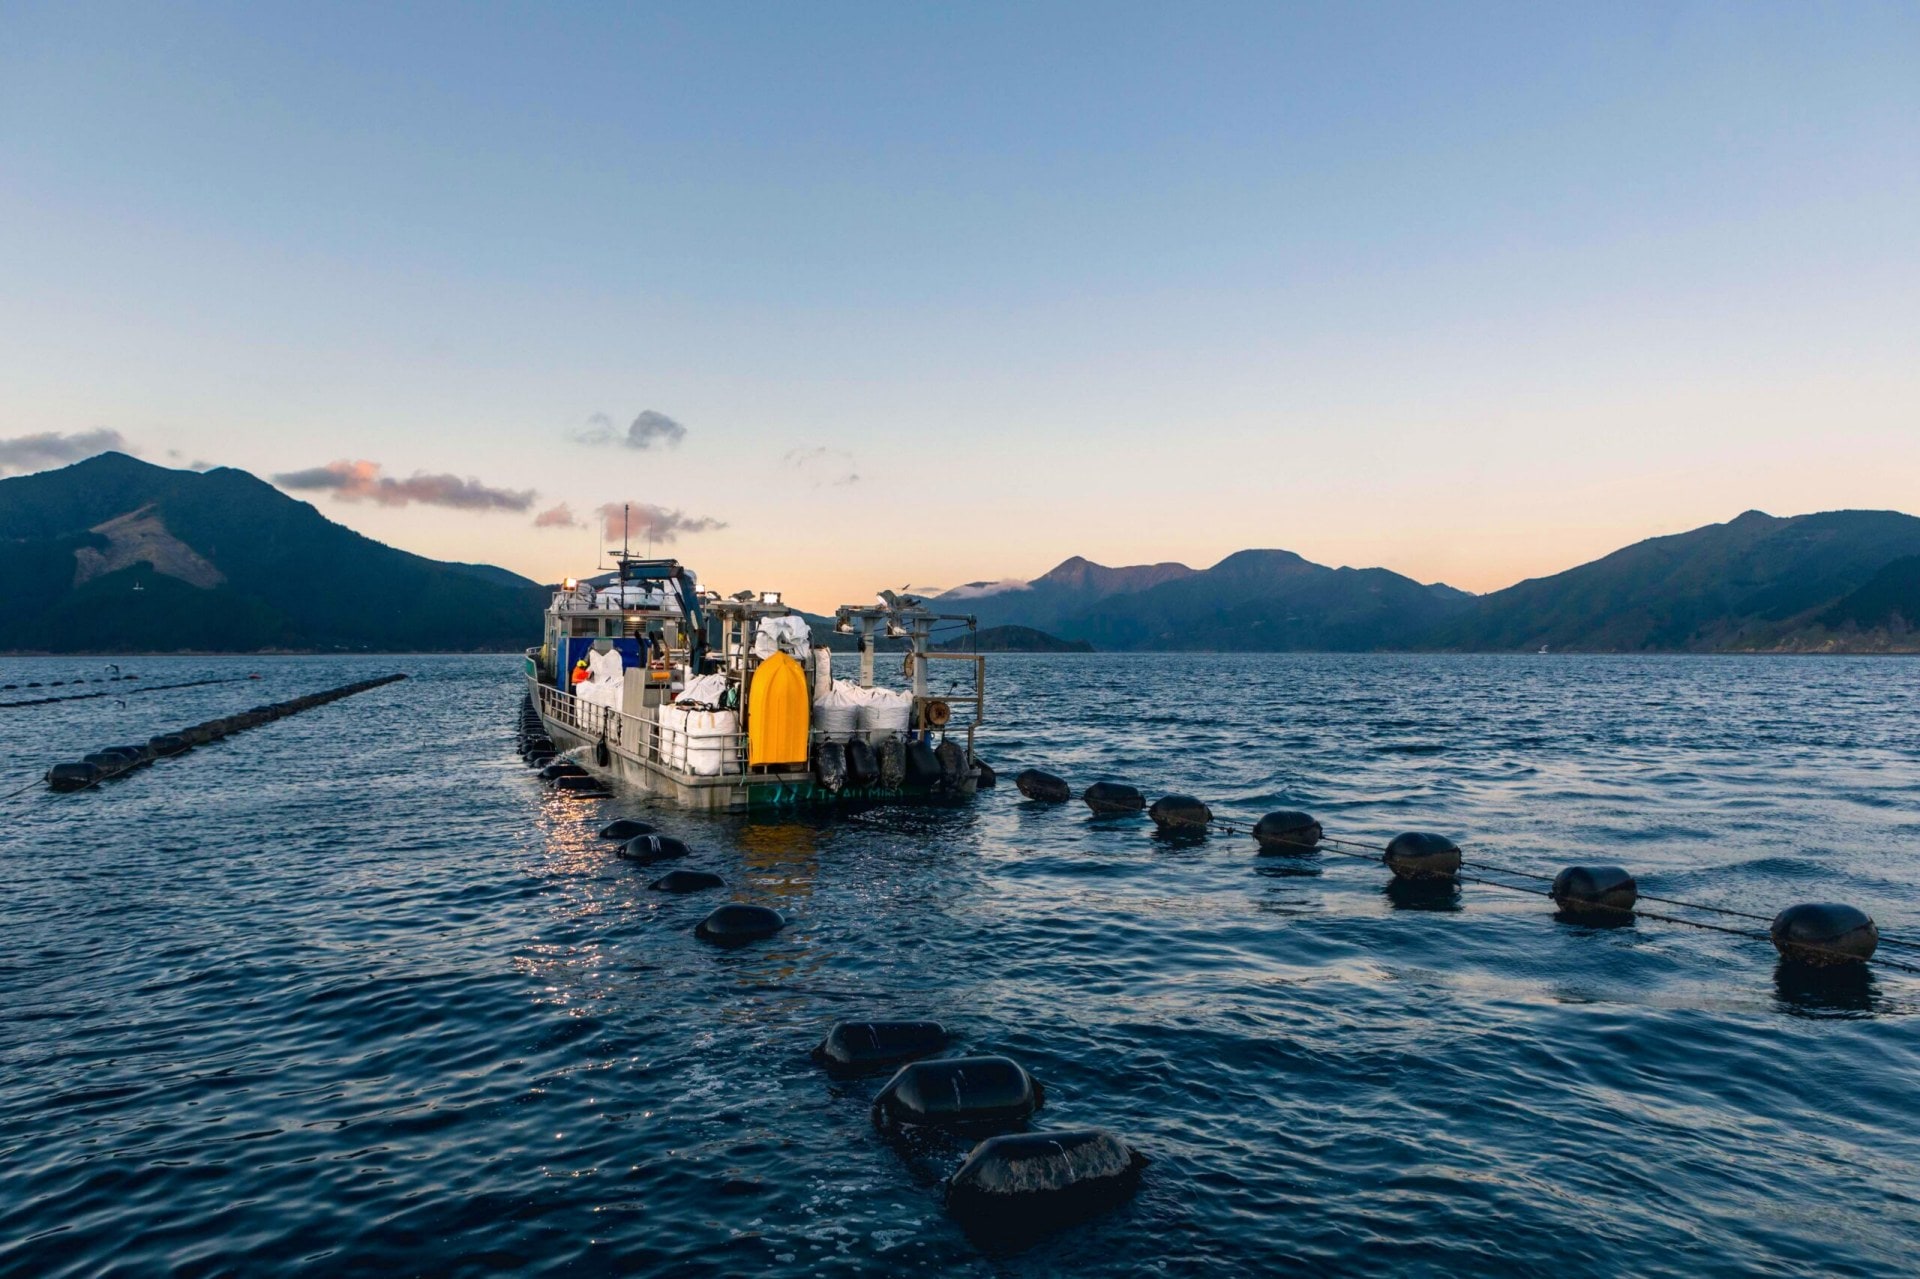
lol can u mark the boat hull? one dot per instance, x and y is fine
(623, 749)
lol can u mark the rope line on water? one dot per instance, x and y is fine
(127, 692)
(1353, 849)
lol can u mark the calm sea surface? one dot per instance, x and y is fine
(353, 993)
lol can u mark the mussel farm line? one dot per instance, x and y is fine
(1819, 934)
(1013, 1184)
(116, 761)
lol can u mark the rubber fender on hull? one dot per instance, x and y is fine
(866, 1047)
(1110, 798)
(957, 1091)
(863, 766)
(952, 760)
(1044, 787)
(923, 766)
(1824, 933)
(893, 762)
(830, 766)
(737, 923)
(1287, 831)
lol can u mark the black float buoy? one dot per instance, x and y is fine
(624, 829)
(1595, 890)
(736, 924)
(1420, 856)
(1287, 831)
(1044, 787)
(1109, 798)
(74, 776)
(864, 1047)
(863, 766)
(1824, 933)
(647, 849)
(986, 778)
(561, 768)
(957, 1091)
(1181, 813)
(1031, 1181)
(580, 783)
(687, 881)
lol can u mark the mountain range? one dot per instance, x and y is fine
(1841, 581)
(116, 555)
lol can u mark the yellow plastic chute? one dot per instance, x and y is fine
(777, 713)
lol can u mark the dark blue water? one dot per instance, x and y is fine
(351, 992)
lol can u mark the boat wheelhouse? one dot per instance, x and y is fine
(729, 704)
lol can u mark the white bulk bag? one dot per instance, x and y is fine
(710, 741)
(789, 634)
(673, 736)
(883, 711)
(704, 688)
(836, 711)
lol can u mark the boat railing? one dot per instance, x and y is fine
(643, 738)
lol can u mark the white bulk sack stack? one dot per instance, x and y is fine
(836, 710)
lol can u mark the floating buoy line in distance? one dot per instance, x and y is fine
(104, 765)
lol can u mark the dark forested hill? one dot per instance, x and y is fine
(116, 554)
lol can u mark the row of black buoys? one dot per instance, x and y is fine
(115, 761)
(1108, 799)
(1821, 933)
(1012, 1185)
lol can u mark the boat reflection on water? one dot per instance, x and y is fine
(780, 860)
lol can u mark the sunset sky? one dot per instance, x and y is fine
(894, 294)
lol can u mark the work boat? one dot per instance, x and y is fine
(727, 704)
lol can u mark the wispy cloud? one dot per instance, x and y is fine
(643, 520)
(47, 449)
(361, 481)
(651, 428)
(822, 466)
(974, 590)
(560, 516)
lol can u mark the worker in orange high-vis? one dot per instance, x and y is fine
(580, 672)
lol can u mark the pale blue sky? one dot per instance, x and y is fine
(1474, 292)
